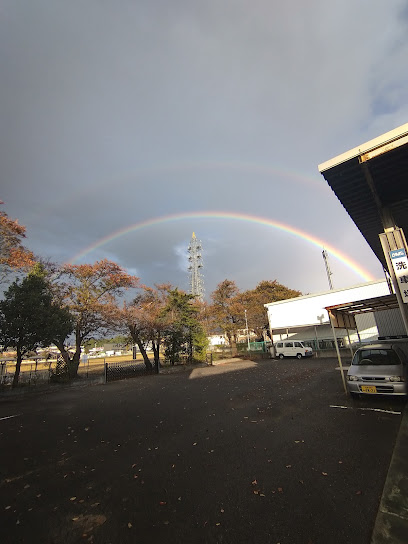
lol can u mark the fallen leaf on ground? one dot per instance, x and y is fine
(90, 522)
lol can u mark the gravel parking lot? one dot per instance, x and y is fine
(264, 452)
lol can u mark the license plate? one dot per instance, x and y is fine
(368, 389)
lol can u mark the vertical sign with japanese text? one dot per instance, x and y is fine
(400, 265)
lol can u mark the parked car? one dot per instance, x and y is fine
(293, 348)
(379, 369)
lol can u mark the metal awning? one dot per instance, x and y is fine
(342, 315)
(371, 182)
(376, 304)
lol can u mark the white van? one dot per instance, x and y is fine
(292, 348)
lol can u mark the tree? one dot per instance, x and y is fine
(255, 299)
(13, 255)
(29, 318)
(145, 320)
(184, 334)
(228, 311)
(90, 291)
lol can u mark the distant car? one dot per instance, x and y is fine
(379, 369)
(293, 348)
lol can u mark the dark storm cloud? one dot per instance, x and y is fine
(112, 115)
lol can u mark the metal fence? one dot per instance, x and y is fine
(127, 369)
(42, 372)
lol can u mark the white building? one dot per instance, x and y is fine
(305, 318)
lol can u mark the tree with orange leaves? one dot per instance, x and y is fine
(145, 320)
(13, 255)
(90, 292)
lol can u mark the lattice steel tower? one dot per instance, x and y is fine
(196, 263)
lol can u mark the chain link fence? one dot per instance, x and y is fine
(127, 369)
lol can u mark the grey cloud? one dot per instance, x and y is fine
(115, 115)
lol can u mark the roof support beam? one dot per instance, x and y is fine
(387, 219)
(383, 149)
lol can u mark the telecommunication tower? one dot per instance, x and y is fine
(196, 263)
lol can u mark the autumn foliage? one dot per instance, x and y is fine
(13, 255)
(90, 293)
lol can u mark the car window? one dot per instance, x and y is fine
(376, 357)
(279, 345)
(298, 345)
(288, 344)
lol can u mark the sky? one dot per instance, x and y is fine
(127, 126)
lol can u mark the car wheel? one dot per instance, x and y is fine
(281, 355)
(299, 355)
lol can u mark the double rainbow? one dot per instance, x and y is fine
(342, 257)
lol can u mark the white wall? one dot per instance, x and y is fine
(310, 309)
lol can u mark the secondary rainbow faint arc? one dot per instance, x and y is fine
(345, 259)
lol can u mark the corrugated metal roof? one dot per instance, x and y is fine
(375, 304)
(386, 158)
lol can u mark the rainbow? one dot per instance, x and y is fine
(211, 167)
(359, 270)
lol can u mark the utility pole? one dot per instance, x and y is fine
(247, 330)
(328, 271)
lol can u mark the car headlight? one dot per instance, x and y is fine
(396, 379)
(352, 378)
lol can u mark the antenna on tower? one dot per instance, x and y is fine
(195, 266)
(328, 271)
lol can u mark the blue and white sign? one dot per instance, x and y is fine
(400, 265)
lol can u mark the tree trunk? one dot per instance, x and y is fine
(72, 364)
(234, 349)
(143, 351)
(233, 344)
(156, 352)
(18, 367)
(137, 340)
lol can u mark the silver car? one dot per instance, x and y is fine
(379, 369)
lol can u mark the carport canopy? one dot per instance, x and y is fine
(342, 315)
(371, 182)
